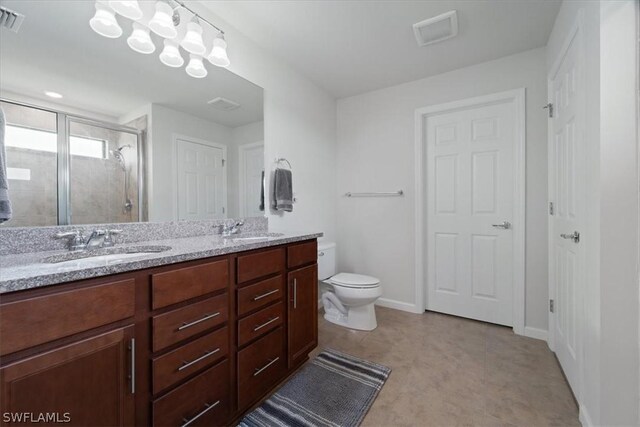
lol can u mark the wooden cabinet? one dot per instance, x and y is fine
(303, 315)
(88, 382)
(212, 338)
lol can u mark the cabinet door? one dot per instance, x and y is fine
(303, 313)
(85, 383)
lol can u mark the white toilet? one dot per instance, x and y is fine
(349, 302)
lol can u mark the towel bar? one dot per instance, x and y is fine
(377, 194)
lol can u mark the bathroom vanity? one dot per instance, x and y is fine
(196, 342)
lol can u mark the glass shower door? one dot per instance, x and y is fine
(103, 181)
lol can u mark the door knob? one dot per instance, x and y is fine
(505, 225)
(575, 236)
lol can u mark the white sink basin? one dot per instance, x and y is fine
(256, 238)
(103, 256)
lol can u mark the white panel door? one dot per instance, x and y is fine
(200, 181)
(470, 193)
(566, 192)
(251, 169)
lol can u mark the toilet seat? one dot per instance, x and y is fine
(350, 280)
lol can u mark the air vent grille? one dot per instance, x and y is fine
(10, 20)
(436, 29)
(223, 104)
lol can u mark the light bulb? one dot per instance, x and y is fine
(140, 40)
(170, 55)
(104, 22)
(192, 41)
(218, 55)
(195, 68)
(162, 21)
(127, 8)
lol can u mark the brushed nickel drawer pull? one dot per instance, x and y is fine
(271, 362)
(186, 364)
(207, 408)
(186, 325)
(295, 293)
(268, 322)
(256, 298)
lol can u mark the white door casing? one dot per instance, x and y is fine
(471, 173)
(567, 194)
(251, 166)
(200, 179)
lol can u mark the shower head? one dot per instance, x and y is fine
(117, 154)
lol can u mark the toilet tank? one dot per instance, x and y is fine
(326, 260)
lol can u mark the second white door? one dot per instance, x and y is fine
(200, 181)
(470, 211)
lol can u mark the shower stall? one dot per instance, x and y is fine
(67, 169)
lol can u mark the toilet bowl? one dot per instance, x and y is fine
(349, 299)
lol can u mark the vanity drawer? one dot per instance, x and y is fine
(302, 253)
(261, 264)
(38, 320)
(260, 366)
(182, 284)
(260, 323)
(260, 294)
(185, 322)
(206, 396)
(182, 362)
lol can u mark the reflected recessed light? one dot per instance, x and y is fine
(53, 94)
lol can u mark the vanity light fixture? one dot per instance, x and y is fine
(51, 94)
(162, 21)
(170, 55)
(127, 8)
(192, 41)
(218, 55)
(104, 21)
(140, 40)
(196, 68)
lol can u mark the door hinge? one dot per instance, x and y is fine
(550, 107)
(551, 306)
(223, 161)
(550, 208)
(223, 209)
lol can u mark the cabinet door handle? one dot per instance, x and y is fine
(206, 409)
(295, 293)
(132, 355)
(268, 322)
(258, 297)
(186, 325)
(259, 370)
(186, 364)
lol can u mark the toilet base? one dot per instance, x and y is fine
(362, 318)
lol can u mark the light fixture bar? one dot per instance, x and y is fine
(184, 6)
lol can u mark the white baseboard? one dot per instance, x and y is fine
(584, 417)
(539, 334)
(398, 305)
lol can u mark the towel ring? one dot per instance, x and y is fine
(282, 159)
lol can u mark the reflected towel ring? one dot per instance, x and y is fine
(282, 159)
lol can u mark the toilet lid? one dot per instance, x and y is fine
(354, 280)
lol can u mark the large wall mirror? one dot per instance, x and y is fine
(99, 133)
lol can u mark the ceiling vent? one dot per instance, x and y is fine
(436, 29)
(10, 20)
(223, 104)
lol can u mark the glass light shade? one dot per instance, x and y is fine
(104, 22)
(127, 8)
(162, 21)
(218, 55)
(170, 55)
(192, 41)
(140, 40)
(195, 68)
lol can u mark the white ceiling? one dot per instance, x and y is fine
(56, 50)
(351, 47)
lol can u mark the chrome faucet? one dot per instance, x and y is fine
(231, 228)
(97, 239)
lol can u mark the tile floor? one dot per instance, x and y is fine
(449, 371)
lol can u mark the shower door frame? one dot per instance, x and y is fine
(63, 156)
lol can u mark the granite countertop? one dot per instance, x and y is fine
(26, 271)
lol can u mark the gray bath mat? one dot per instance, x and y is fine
(334, 389)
